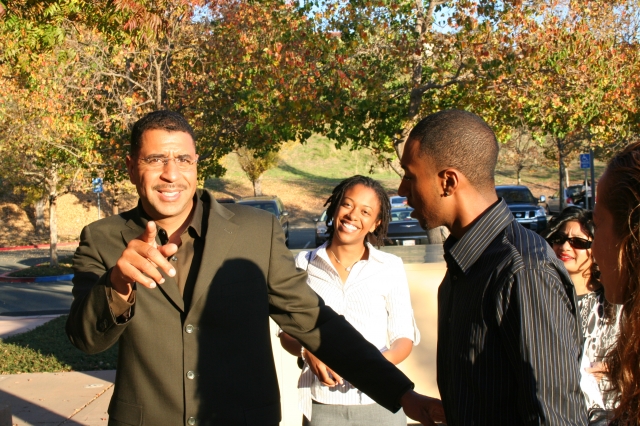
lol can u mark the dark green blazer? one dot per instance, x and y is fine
(212, 363)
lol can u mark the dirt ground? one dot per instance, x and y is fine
(77, 209)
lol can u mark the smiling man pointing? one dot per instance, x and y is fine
(186, 287)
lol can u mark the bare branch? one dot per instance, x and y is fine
(129, 79)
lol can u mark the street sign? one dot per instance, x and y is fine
(97, 185)
(585, 161)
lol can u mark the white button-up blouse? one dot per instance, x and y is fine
(374, 299)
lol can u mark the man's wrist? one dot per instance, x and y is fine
(122, 289)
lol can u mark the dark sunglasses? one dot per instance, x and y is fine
(575, 242)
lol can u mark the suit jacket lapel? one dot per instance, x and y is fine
(134, 229)
(219, 237)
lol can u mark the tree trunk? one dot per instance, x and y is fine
(518, 169)
(116, 200)
(39, 209)
(566, 177)
(561, 178)
(52, 186)
(395, 167)
(257, 187)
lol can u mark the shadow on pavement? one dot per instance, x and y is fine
(21, 406)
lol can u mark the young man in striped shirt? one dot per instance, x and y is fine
(508, 338)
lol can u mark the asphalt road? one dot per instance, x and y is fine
(17, 299)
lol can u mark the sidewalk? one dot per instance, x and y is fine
(73, 398)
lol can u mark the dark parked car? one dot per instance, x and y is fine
(272, 204)
(405, 230)
(225, 200)
(524, 206)
(322, 233)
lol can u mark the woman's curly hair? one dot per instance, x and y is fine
(621, 198)
(376, 237)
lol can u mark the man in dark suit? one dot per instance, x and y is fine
(186, 286)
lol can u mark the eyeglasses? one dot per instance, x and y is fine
(575, 242)
(157, 163)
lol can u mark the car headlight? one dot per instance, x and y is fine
(321, 230)
(541, 212)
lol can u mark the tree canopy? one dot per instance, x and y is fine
(75, 74)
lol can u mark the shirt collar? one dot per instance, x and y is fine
(321, 251)
(196, 220)
(466, 251)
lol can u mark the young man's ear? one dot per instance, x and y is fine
(450, 181)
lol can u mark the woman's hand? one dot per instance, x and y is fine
(597, 370)
(327, 376)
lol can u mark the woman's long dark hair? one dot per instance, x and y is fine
(376, 237)
(621, 198)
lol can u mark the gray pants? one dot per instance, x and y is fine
(353, 415)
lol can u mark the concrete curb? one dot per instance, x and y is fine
(5, 278)
(37, 246)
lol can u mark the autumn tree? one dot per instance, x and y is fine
(569, 74)
(520, 151)
(45, 138)
(254, 166)
(132, 58)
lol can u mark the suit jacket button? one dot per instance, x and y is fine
(191, 375)
(191, 421)
(189, 328)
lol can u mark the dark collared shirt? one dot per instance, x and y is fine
(186, 260)
(509, 344)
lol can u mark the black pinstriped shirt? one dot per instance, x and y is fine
(509, 344)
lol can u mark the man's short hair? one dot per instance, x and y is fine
(169, 121)
(461, 140)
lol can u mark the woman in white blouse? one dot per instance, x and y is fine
(369, 287)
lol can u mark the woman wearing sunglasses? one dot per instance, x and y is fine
(616, 247)
(570, 235)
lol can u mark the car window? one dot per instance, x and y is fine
(401, 215)
(396, 199)
(270, 207)
(516, 195)
(574, 190)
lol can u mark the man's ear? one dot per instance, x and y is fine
(130, 163)
(450, 181)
